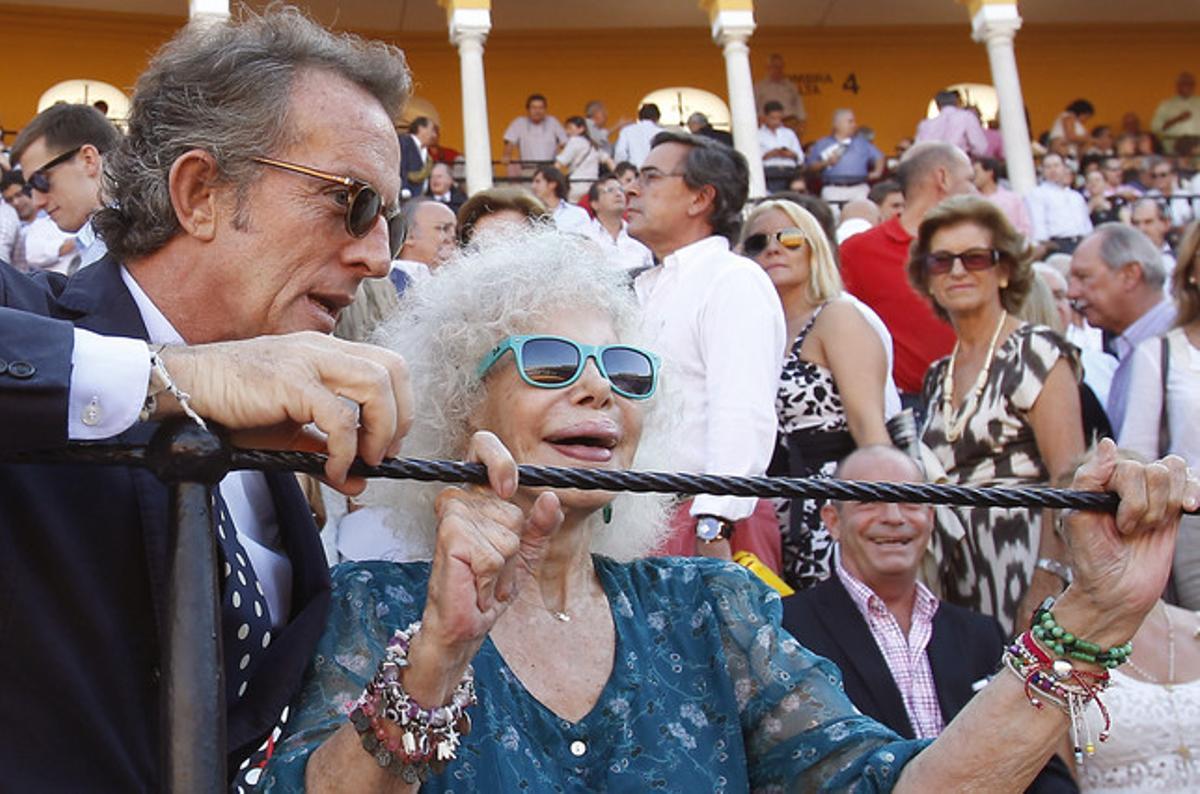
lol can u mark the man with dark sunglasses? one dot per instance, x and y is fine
(61, 154)
(256, 190)
(715, 318)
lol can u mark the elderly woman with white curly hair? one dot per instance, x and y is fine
(584, 666)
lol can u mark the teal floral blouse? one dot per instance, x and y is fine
(707, 693)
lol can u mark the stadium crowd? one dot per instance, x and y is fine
(617, 302)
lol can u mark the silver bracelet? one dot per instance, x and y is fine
(161, 381)
(1055, 567)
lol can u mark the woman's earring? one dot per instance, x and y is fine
(606, 513)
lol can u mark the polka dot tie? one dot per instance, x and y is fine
(245, 619)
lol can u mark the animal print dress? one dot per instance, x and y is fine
(991, 569)
(807, 400)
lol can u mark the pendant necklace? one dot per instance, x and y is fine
(955, 426)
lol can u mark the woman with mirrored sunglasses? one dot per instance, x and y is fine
(566, 659)
(1002, 409)
(831, 395)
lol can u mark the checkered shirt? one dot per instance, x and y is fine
(905, 656)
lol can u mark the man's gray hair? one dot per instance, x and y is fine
(509, 281)
(1121, 244)
(226, 87)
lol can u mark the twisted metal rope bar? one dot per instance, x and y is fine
(636, 481)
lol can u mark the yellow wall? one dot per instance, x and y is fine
(1118, 68)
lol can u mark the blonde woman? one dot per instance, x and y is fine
(831, 390)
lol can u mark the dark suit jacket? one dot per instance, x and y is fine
(83, 569)
(413, 172)
(964, 648)
(454, 201)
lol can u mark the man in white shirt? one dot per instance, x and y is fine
(431, 233)
(633, 144)
(1178, 115)
(39, 244)
(717, 322)
(550, 186)
(10, 232)
(610, 229)
(780, 148)
(61, 154)
(533, 138)
(776, 87)
(1058, 214)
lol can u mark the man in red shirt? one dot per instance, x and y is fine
(873, 263)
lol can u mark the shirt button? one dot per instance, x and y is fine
(578, 748)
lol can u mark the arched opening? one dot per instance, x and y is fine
(978, 95)
(678, 102)
(114, 103)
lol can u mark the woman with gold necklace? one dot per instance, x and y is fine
(1002, 409)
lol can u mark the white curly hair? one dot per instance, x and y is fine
(508, 282)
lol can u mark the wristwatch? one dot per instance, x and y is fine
(710, 529)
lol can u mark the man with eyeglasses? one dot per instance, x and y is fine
(610, 230)
(1164, 186)
(61, 154)
(256, 190)
(716, 320)
(431, 236)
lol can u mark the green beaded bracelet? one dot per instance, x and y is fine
(1063, 643)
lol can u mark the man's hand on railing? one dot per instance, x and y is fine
(271, 391)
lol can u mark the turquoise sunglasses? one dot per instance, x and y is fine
(555, 362)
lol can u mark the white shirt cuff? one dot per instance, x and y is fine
(109, 377)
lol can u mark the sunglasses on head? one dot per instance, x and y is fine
(555, 362)
(940, 262)
(790, 239)
(363, 207)
(39, 180)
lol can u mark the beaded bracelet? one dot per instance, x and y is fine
(429, 738)
(1064, 643)
(1058, 682)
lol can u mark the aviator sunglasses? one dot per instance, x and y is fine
(790, 239)
(938, 263)
(39, 180)
(555, 362)
(363, 207)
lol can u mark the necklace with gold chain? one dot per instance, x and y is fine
(955, 427)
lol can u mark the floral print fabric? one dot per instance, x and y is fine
(707, 693)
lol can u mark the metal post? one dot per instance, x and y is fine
(191, 460)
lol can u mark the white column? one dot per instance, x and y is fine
(208, 8)
(996, 25)
(469, 28)
(731, 30)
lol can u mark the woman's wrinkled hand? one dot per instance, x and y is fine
(1121, 562)
(487, 550)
